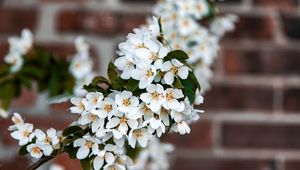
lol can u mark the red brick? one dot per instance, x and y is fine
(130, 21)
(17, 163)
(277, 61)
(13, 20)
(253, 27)
(222, 164)
(282, 4)
(291, 98)
(261, 136)
(27, 98)
(199, 138)
(68, 164)
(292, 165)
(88, 22)
(291, 25)
(226, 97)
(62, 1)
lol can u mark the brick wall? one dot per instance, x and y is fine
(252, 119)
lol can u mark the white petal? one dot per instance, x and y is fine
(169, 78)
(98, 163)
(83, 152)
(79, 142)
(109, 158)
(146, 97)
(113, 123)
(183, 72)
(133, 124)
(166, 66)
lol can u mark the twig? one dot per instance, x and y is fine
(40, 163)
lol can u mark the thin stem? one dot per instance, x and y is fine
(40, 162)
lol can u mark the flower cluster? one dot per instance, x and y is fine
(18, 47)
(36, 142)
(183, 30)
(151, 90)
(81, 66)
(155, 156)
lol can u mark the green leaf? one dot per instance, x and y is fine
(133, 153)
(100, 79)
(71, 130)
(7, 93)
(115, 80)
(23, 150)
(132, 85)
(177, 54)
(193, 77)
(177, 84)
(71, 151)
(86, 164)
(189, 89)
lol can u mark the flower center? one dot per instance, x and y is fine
(120, 160)
(95, 100)
(126, 102)
(174, 70)
(155, 96)
(153, 56)
(14, 62)
(108, 108)
(81, 106)
(149, 73)
(199, 7)
(36, 150)
(138, 133)
(112, 167)
(146, 109)
(169, 96)
(93, 117)
(47, 140)
(186, 23)
(26, 133)
(123, 119)
(89, 144)
(140, 46)
(77, 65)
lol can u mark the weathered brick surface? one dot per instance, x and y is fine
(222, 164)
(13, 20)
(263, 49)
(226, 97)
(259, 135)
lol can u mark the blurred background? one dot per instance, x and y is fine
(252, 119)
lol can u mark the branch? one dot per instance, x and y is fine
(40, 162)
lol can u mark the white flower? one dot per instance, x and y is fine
(145, 75)
(172, 96)
(94, 120)
(174, 68)
(126, 65)
(79, 105)
(86, 145)
(35, 150)
(187, 26)
(140, 135)
(101, 158)
(221, 25)
(24, 133)
(47, 139)
(17, 120)
(155, 124)
(23, 44)
(154, 27)
(81, 67)
(15, 60)
(123, 121)
(93, 99)
(182, 127)
(3, 113)
(105, 108)
(126, 102)
(155, 97)
(82, 46)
